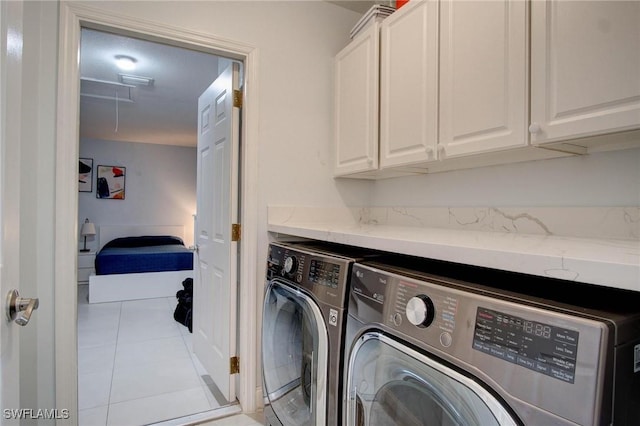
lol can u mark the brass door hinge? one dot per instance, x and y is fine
(236, 230)
(234, 364)
(237, 98)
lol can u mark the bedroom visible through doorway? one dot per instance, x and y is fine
(124, 347)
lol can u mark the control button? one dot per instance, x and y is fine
(290, 264)
(299, 278)
(420, 311)
(397, 319)
(333, 317)
(446, 339)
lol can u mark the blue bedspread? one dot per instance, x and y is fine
(127, 260)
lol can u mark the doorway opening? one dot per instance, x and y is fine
(73, 16)
(135, 362)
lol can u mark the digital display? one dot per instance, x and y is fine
(324, 273)
(539, 347)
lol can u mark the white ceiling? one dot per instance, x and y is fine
(360, 6)
(165, 113)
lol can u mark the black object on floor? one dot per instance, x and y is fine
(183, 311)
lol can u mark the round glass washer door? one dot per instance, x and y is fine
(294, 355)
(391, 384)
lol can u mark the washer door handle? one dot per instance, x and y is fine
(20, 308)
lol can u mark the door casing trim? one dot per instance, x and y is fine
(72, 17)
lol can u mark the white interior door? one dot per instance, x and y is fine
(10, 63)
(214, 312)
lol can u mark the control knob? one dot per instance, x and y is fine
(420, 311)
(290, 265)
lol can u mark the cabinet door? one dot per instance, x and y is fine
(356, 107)
(409, 85)
(585, 68)
(483, 76)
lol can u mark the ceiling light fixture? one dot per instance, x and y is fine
(125, 62)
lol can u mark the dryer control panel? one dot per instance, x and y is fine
(409, 306)
(540, 347)
(458, 322)
(429, 315)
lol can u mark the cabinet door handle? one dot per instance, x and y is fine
(534, 128)
(428, 151)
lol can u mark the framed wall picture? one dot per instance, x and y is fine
(111, 182)
(85, 175)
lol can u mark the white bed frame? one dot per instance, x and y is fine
(148, 285)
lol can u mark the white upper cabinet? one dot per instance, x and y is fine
(453, 84)
(356, 104)
(409, 85)
(585, 68)
(483, 76)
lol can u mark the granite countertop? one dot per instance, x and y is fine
(607, 262)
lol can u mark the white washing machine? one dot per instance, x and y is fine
(303, 326)
(427, 350)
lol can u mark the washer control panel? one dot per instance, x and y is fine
(323, 275)
(323, 272)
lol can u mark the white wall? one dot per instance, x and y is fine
(601, 179)
(160, 186)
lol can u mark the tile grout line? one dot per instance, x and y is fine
(80, 349)
(169, 309)
(113, 368)
(195, 369)
(156, 395)
(203, 385)
(119, 344)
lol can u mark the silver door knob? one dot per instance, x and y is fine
(20, 308)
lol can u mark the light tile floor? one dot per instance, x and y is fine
(237, 420)
(135, 364)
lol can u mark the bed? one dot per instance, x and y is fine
(139, 262)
